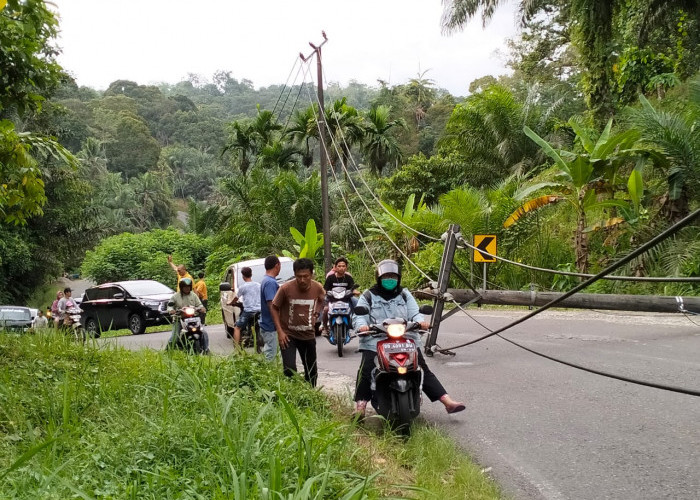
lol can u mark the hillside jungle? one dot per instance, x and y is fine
(589, 148)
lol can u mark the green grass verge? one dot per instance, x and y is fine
(89, 422)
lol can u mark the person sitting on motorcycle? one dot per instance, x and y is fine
(63, 305)
(185, 298)
(249, 294)
(339, 278)
(388, 299)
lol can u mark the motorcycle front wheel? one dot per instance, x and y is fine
(339, 334)
(402, 425)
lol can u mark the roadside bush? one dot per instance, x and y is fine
(144, 256)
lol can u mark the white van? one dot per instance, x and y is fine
(233, 279)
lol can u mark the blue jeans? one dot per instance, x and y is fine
(271, 343)
(246, 318)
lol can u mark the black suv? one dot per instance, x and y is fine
(125, 304)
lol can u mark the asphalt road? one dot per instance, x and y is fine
(549, 431)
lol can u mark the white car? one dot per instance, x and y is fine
(233, 279)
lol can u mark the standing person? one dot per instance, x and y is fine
(295, 308)
(200, 288)
(181, 272)
(185, 298)
(388, 299)
(268, 290)
(40, 321)
(54, 308)
(249, 294)
(339, 278)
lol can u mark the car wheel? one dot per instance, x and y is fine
(92, 328)
(137, 325)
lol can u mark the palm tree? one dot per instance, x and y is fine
(242, 143)
(677, 135)
(487, 131)
(379, 145)
(303, 128)
(344, 127)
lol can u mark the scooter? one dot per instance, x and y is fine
(71, 323)
(191, 335)
(339, 317)
(397, 379)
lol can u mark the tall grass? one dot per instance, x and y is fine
(88, 422)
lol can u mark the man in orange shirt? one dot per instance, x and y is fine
(200, 288)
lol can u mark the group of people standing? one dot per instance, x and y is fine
(289, 314)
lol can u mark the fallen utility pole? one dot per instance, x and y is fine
(647, 303)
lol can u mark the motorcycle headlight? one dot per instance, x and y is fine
(395, 331)
(189, 311)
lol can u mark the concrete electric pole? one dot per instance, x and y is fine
(327, 260)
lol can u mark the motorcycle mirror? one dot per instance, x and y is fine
(171, 304)
(362, 310)
(225, 287)
(426, 309)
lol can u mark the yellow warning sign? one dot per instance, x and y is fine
(485, 243)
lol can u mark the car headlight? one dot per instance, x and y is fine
(150, 303)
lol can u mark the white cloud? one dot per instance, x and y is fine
(163, 40)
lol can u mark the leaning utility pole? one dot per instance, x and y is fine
(326, 218)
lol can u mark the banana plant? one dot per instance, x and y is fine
(308, 243)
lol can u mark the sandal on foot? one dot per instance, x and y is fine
(455, 408)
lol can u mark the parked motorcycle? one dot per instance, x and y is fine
(191, 335)
(339, 317)
(71, 323)
(397, 378)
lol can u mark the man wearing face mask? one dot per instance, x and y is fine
(388, 299)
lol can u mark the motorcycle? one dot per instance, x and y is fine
(71, 323)
(339, 318)
(191, 335)
(397, 379)
(250, 335)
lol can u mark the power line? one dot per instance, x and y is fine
(381, 228)
(616, 265)
(672, 279)
(284, 87)
(347, 206)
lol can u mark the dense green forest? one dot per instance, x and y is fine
(589, 148)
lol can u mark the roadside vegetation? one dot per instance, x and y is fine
(84, 422)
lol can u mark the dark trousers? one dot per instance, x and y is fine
(307, 353)
(363, 391)
(203, 316)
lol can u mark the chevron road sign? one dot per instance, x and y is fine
(487, 243)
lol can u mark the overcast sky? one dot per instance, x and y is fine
(151, 41)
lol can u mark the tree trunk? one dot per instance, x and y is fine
(593, 40)
(581, 243)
